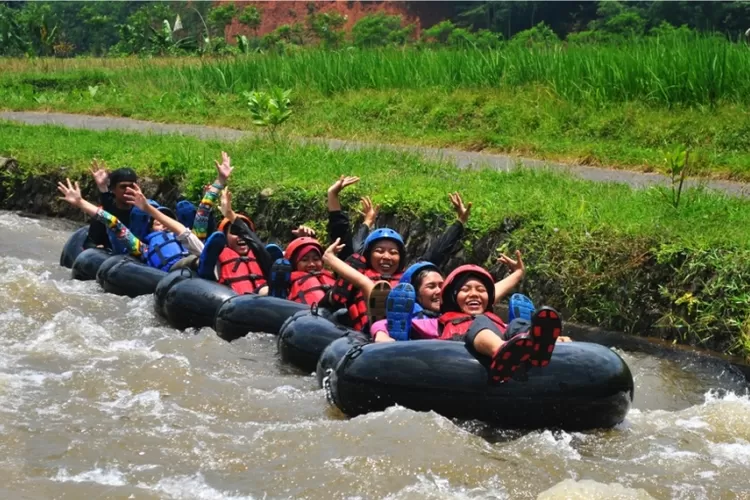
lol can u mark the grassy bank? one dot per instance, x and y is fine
(603, 253)
(618, 106)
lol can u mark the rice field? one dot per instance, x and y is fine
(675, 71)
(619, 106)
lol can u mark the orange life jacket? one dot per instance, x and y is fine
(455, 325)
(242, 273)
(310, 288)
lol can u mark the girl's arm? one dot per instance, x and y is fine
(338, 221)
(223, 171)
(334, 205)
(72, 194)
(517, 268)
(442, 248)
(344, 270)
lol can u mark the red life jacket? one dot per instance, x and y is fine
(310, 288)
(242, 273)
(455, 325)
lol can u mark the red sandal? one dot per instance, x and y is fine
(509, 357)
(546, 327)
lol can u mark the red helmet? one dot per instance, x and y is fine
(455, 280)
(292, 251)
(224, 224)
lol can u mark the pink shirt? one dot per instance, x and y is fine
(421, 328)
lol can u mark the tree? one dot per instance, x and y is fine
(219, 17)
(378, 29)
(40, 26)
(327, 27)
(12, 42)
(618, 19)
(251, 18)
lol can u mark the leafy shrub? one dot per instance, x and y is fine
(379, 29)
(327, 27)
(439, 33)
(539, 35)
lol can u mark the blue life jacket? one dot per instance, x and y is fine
(163, 250)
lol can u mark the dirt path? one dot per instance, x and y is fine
(462, 159)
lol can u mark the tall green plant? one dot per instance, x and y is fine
(270, 109)
(676, 166)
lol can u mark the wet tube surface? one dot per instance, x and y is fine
(585, 385)
(74, 247)
(122, 275)
(303, 339)
(87, 264)
(195, 302)
(243, 314)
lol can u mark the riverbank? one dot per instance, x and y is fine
(605, 254)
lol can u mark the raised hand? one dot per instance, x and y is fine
(224, 169)
(225, 205)
(333, 249)
(369, 211)
(304, 231)
(462, 211)
(134, 196)
(513, 265)
(71, 193)
(342, 183)
(101, 175)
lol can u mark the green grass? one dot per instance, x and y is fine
(605, 254)
(617, 106)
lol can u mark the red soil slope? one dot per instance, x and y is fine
(278, 13)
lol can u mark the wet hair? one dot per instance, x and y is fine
(124, 174)
(416, 280)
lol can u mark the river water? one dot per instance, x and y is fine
(100, 399)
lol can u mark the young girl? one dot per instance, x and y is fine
(309, 282)
(381, 255)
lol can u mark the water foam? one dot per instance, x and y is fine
(431, 486)
(107, 477)
(588, 489)
(194, 487)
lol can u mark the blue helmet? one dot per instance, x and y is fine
(413, 270)
(411, 273)
(385, 234)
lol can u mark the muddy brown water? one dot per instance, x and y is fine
(100, 399)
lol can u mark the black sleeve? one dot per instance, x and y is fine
(339, 227)
(98, 234)
(442, 248)
(256, 245)
(360, 235)
(107, 201)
